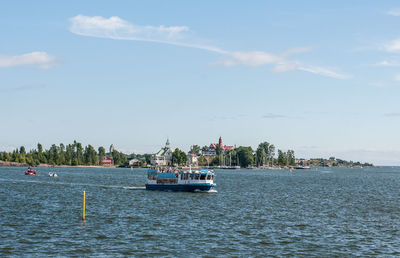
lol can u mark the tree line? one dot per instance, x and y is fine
(72, 155)
(75, 154)
(243, 156)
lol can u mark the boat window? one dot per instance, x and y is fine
(203, 177)
(208, 177)
(152, 177)
(191, 176)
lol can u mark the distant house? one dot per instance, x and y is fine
(132, 162)
(212, 149)
(163, 157)
(192, 159)
(106, 161)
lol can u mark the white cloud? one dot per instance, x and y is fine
(323, 71)
(119, 29)
(285, 67)
(394, 12)
(254, 58)
(258, 58)
(392, 46)
(39, 59)
(387, 63)
(115, 27)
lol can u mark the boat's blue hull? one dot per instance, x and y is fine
(179, 187)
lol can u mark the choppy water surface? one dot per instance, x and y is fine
(321, 212)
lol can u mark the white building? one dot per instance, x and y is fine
(132, 162)
(192, 159)
(162, 157)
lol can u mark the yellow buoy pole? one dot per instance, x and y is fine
(83, 206)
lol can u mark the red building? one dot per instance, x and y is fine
(212, 150)
(106, 161)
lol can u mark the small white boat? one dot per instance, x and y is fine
(53, 174)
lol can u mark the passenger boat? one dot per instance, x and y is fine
(171, 179)
(30, 172)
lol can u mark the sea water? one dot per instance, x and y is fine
(320, 212)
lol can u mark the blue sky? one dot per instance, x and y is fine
(322, 78)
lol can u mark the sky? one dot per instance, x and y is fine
(319, 77)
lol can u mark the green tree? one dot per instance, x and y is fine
(147, 158)
(291, 160)
(69, 154)
(202, 161)
(195, 149)
(90, 155)
(29, 159)
(41, 156)
(271, 154)
(22, 150)
(102, 153)
(262, 154)
(216, 161)
(40, 148)
(179, 157)
(15, 156)
(86, 156)
(79, 153)
(233, 158)
(265, 154)
(246, 157)
(6, 156)
(282, 158)
(118, 157)
(53, 155)
(61, 155)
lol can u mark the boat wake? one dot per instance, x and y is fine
(212, 191)
(209, 191)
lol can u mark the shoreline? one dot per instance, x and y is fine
(16, 164)
(77, 166)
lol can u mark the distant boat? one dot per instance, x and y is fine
(229, 167)
(30, 172)
(53, 174)
(171, 179)
(301, 167)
